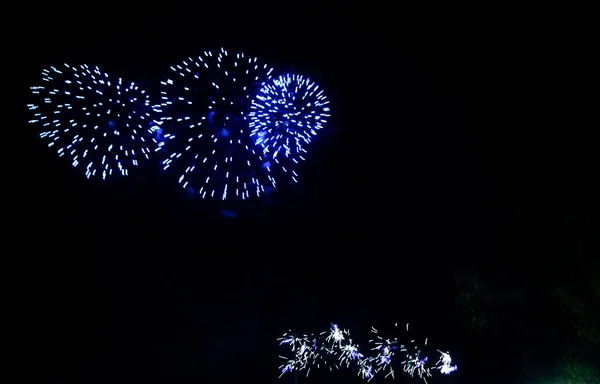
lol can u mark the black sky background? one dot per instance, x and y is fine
(138, 282)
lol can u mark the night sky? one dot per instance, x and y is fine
(136, 282)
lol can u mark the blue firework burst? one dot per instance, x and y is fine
(286, 114)
(103, 125)
(207, 139)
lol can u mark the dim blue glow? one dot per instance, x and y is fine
(103, 125)
(229, 213)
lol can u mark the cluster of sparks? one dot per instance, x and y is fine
(203, 110)
(286, 114)
(335, 348)
(103, 125)
(224, 125)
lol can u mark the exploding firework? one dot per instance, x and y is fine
(410, 356)
(302, 350)
(207, 138)
(385, 354)
(287, 113)
(330, 349)
(103, 125)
